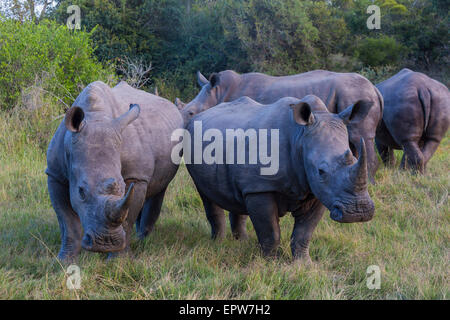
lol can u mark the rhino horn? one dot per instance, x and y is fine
(128, 117)
(201, 79)
(117, 210)
(358, 171)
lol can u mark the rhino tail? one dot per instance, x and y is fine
(425, 102)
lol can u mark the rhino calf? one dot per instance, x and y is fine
(416, 117)
(108, 166)
(316, 168)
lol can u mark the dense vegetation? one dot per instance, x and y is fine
(44, 58)
(179, 37)
(43, 67)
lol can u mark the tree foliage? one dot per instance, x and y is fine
(179, 37)
(47, 53)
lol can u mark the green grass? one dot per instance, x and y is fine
(408, 239)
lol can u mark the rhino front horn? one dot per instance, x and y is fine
(358, 171)
(117, 211)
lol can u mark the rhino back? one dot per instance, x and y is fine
(226, 184)
(147, 145)
(336, 90)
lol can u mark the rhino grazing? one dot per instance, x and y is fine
(108, 166)
(316, 170)
(416, 117)
(336, 90)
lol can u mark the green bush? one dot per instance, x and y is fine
(378, 74)
(286, 36)
(379, 51)
(48, 55)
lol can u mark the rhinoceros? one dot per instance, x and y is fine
(316, 168)
(415, 118)
(109, 165)
(336, 90)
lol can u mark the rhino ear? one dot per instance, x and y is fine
(302, 113)
(74, 119)
(356, 112)
(201, 79)
(214, 79)
(128, 117)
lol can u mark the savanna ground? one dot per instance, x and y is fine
(408, 239)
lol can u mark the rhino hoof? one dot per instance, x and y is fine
(67, 258)
(303, 261)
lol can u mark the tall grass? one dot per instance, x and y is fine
(408, 239)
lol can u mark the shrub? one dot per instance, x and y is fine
(379, 51)
(61, 60)
(378, 74)
(286, 37)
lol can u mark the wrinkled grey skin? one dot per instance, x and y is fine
(336, 90)
(108, 166)
(415, 118)
(316, 170)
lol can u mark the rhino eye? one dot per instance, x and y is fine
(323, 174)
(82, 193)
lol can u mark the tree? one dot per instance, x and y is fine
(287, 36)
(379, 51)
(34, 10)
(62, 60)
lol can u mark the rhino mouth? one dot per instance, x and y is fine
(357, 211)
(108, 241)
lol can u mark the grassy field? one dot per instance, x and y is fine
(408, 239)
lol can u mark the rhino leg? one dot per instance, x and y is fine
(238, 226)
(69, 222)
(412, 157)
(386, 153)
(429, 148)
(216, 218)
(149, 214)
(263, 212)
(305, 223)
(372, 157)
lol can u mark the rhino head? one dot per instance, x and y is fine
(214, 91)
(97, 189)
(334, 175)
